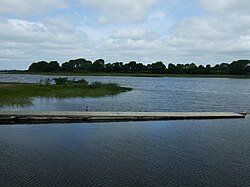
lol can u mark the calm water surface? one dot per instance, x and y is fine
(170, 153)
(151, 94)
(164, 153)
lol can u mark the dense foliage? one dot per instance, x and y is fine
(240, 67)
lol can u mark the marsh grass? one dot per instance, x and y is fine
(21, 93)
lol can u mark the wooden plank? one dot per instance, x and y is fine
(16, 117)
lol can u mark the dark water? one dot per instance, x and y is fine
(171, 153)
(164, 153)
(152, 94)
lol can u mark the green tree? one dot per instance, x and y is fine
(157, 67)
(80, 64)
(140, 68)
(54, 66)
(171, 68)
(201, 69)
(98, 66)
(66, 67)
(193, 68)
(41, 66)
(130, 67)
(239, 67)
(180, 68)
(118, 67)
(84, 65)
(208, 69)
(109, 68)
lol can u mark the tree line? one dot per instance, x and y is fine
(239, 67)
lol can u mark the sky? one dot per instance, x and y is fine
(171, 31)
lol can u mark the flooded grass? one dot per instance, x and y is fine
(22, 93)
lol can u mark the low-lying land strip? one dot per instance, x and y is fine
(73, 74)
(22, 93)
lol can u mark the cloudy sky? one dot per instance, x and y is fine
(179, 31)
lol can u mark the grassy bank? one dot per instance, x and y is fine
(132, 74)
(22, 93)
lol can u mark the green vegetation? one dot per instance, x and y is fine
(73, 74)
(22, 93)
(83, 66)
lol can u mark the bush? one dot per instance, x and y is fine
(61, 80)
(66, 81)
(46, 81)
(81, 82)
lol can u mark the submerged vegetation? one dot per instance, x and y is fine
(22, 93)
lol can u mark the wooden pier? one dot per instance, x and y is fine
(27, 117)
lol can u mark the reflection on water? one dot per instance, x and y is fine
(16, 102)
(152, 94)
(167, 153)
(170, 153)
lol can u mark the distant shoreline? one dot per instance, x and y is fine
(129, 74)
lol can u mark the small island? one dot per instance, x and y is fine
(22, 93)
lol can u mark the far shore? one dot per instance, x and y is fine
(128, 74)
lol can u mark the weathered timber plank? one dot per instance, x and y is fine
(16, 117)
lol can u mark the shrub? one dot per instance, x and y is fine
(61, 80)
(66, 81)
(46, 81)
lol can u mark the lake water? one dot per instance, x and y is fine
(163, 153)
(151, 94)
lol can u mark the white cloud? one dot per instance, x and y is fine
(134, 34)
(142, 33)
(103, 20)
(121, 10)
(203, 38)
(227, 6)
(157, 15)
(30, 7)
(53, 30)
(55, 38)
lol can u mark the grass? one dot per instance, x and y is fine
(20, 94)
(132, 74)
